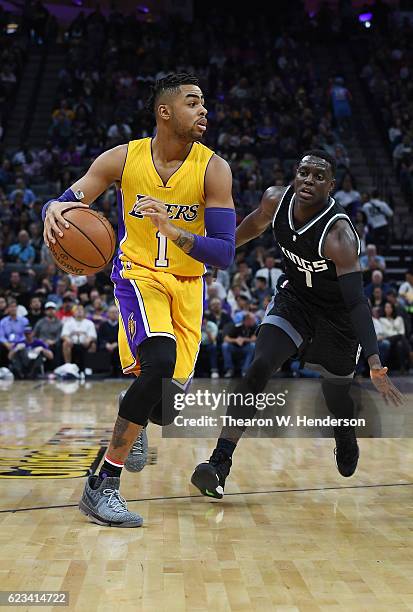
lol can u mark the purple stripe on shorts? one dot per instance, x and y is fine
(130, 313)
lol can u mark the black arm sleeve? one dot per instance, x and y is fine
(351, 286)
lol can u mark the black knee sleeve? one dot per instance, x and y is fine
(157, 357)
(164, 412)
(258, 374)
(272, 349)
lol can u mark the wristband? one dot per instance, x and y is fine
(67, 196)
(217, 248)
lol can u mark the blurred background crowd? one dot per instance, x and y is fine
(271, 93)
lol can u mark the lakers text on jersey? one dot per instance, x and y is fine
(141, 244)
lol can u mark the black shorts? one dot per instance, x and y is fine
(325, 339)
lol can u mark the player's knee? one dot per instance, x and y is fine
(163, 414)
(258, 374)
(157, 358)
(163, 367)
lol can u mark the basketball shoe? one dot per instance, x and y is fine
(104, 505)
(346, 452)
(209, 477)
(138, 454)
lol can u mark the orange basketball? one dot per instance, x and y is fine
(87, 246)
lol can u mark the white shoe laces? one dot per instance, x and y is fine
(137, 448)
(115, 501)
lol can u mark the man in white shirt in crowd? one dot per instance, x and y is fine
(270, 272)
(348, 197)
(383, 343)
(378, 213)
(78, 336)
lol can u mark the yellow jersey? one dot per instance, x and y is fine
(141, 244)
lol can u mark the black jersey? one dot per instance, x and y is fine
(312, 276)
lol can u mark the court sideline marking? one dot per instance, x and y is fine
(368, 486)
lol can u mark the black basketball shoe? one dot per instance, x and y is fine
(346, 452)
(209, 477)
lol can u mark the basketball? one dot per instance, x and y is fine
(87, 246)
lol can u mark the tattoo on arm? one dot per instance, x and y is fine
(185, 240)
(119, 430)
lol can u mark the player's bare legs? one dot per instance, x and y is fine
(124, 435)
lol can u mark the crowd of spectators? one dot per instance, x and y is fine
(260, 121)
(387, 73)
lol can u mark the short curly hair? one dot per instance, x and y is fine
(170, 83)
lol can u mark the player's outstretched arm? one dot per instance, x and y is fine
(105, 170)
(217, 248)
(342, 248)
(257, 222)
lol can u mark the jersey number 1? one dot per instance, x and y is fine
(161, 261)
(308, 277)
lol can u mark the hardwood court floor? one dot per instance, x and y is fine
(290, 535)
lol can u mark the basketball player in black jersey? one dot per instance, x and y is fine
(319, 312)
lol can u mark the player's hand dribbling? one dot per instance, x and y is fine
(54, 221)
(385, 386)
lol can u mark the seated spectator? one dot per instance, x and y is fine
(360, 223)
(270, 272)
(260, 313)
(78, 337)
(406, 291)
(11, 331)
(261, 290)
(19, 289)
(376, 281)
(27, 356)
(378, 299)
(348, 197)
(28, 194)
(97, 313)
(403, 152)
(240, 280)
(383, 343)
(378, 214)
(211, 282)
(243, 303)
(239, 341)
(36, 239)
(48, 329)
(4, 274)
(393, 298)
(341, 103)
(217, 315)
(66, 311)
(394, 331)
(22, 251)
(3, 307)
(209, 333)
(35, 310)
(108, 338)
(21, 310)
(372, 261)
(119, 133)
(61, 290)
(232, 296)
(60, 131)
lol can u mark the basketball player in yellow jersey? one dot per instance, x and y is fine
(175, 214)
